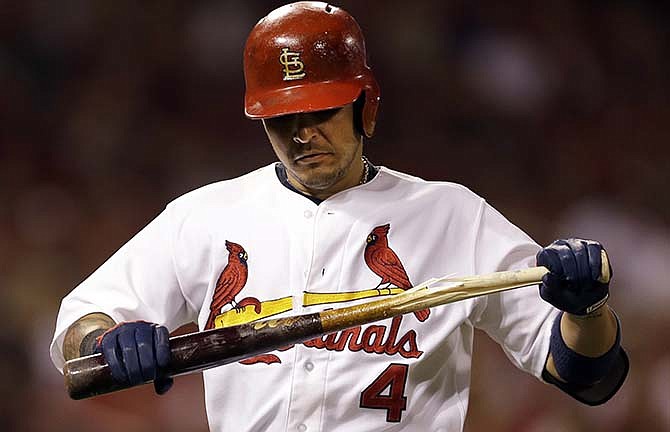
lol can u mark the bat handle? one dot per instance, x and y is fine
(89, 376)
(605, 274)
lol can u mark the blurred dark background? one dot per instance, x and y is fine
(557, 112)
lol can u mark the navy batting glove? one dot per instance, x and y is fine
(572, 284)
(137, 352)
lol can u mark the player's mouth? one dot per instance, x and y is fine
(312, 158)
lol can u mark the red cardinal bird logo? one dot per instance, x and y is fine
(381, 259)
(231, 281)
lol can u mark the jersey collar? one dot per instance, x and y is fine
(280, 170)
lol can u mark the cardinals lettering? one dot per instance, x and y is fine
(372, 339)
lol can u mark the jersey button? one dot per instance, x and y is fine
(308, 214)
(309, 366)
(302, 427)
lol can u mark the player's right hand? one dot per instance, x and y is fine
(574, 283)
(137, 352)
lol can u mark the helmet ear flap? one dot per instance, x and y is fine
(370, 104)
(359, 105)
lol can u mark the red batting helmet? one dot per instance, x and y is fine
(307, 56)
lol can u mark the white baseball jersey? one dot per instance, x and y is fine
(249, 248)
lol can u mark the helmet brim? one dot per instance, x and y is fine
(301, 98)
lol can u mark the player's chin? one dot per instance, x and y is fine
(320, 178)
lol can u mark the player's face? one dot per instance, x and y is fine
(320, 150)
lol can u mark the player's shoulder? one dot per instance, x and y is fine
(226, 191)
(433, 188)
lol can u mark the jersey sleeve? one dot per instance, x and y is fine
(138, 282)
(518, 320)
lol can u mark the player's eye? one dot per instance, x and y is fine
(325, 115)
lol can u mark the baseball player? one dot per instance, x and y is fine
(324, 227)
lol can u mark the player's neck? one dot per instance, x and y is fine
(356, 175)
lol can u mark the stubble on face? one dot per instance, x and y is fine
(324, 177)
(328, 158)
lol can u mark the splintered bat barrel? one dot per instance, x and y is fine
(91, 376)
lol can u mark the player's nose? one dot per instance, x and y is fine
(305, 130)
(303, 136)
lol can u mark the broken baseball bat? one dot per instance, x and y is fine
(90, 376)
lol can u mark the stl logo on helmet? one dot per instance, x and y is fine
(293, 67)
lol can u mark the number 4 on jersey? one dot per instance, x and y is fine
(394, 402)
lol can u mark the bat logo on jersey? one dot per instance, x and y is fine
(230, 282)
(384, 262)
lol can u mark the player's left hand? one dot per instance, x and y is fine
(572, 284)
